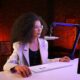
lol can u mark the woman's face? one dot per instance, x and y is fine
(37, 28)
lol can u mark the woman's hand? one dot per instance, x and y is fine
(23, 70)
(64, 59)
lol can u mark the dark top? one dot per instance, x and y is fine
(34, 57)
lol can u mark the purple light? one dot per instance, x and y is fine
(64, 24)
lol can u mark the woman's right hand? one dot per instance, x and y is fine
(23, 70)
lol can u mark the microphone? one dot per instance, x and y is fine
(64, 24)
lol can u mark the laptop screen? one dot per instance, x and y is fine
(78, 70)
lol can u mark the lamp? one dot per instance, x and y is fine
(54, 24)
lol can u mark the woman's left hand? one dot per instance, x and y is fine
(64, 59)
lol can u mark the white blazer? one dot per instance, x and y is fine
(20, 54)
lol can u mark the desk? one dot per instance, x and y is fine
(66, 73)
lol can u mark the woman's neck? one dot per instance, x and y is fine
(34, 45)
(35, 40)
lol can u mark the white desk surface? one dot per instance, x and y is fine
(64, 73)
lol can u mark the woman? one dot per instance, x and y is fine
(30, 47)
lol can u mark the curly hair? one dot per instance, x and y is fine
(22, 30)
